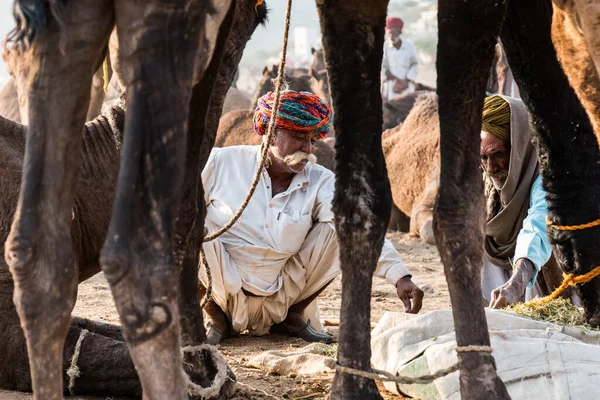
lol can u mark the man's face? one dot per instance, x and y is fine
(293, 150)
(393, 34)
(495, 158)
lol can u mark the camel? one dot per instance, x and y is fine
(414, 146)
(299, 79)
(9, 103)
(235, 100)
(154, 325)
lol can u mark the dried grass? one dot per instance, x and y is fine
(558, 311)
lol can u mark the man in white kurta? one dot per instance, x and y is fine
(399, 64)
(283, 250)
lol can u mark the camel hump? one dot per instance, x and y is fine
(413, 146)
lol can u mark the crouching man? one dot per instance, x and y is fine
(269, 268)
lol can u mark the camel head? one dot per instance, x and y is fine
(319, 84)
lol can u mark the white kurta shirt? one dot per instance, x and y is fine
(402, 63)
(272, 229)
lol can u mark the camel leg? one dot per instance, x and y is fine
(398, 220)
(38, 249)
(137, 257)
(567, 147)
(189, 227)
(362, 200)
(467, 36)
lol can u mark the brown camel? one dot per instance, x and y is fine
(9, 103)
(235, 128)
(140, 263)
(298, 79)
(414, 146)
(236, 100)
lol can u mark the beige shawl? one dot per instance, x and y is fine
(504, 225)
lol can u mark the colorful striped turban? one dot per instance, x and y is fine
(298, 111)
(496, 117)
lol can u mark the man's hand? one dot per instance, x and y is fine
(410, 294)
(389, 76)
(512, 291)
(400, 85)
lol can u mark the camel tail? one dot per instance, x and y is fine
(30, 17)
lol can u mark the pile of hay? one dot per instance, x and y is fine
(558, 311)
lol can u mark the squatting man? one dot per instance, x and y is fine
(269, 268)
(516, 244)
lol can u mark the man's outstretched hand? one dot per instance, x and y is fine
(410, 294)
(513, 290)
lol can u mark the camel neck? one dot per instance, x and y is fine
(102, 140)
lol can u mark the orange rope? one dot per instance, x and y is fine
(570, 279)
(258, 3)
(573, 227)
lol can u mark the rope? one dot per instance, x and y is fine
(570, 279)
(208, 294)
(258, 3)
(220, 378)
(573, 227)
(380, 375)
(73, 372)
(272, 125)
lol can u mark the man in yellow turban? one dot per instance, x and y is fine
(516, 244)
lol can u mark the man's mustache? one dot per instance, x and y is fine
(499, 178)
(299, 157)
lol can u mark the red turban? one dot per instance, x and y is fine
(394, 22)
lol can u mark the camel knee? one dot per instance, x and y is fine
(18, 254)
(115, 263)
(44, 275)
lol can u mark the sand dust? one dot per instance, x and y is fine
(95, 302)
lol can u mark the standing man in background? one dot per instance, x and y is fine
(399, 66)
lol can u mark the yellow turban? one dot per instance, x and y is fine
(496, 117)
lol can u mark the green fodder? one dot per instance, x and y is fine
(559, 311)
(331, 351)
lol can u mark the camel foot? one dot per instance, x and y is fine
(426, 232)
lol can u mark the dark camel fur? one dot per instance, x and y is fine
(150, 319)
(236, 128)
(353, 32)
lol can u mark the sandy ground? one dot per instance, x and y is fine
(95, 302)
